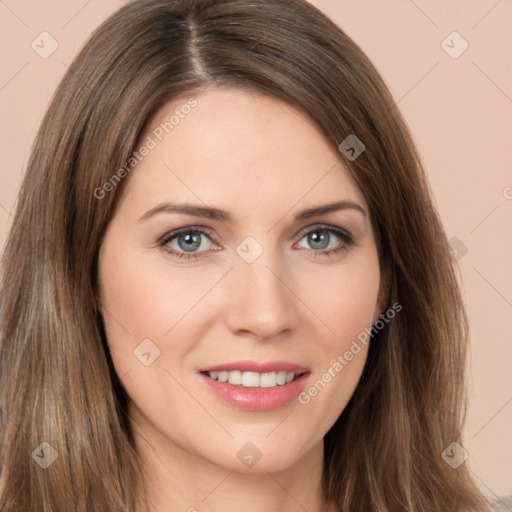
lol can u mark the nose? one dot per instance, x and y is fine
(261, 301)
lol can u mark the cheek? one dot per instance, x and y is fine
(346, 306)
(345, 301)
(143, 300)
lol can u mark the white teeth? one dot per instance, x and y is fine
(253, 379)
(281, 378)
(268, 380)
(249, 379)
(235, 378)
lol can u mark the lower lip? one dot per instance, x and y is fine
(256, 399)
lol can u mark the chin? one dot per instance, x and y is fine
(258, 456)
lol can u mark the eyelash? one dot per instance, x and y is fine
(348, 241)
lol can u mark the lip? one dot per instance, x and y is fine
(256, 399)
(255, 366)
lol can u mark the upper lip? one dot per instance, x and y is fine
(256, 366)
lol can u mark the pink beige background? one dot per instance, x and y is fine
(458, 107)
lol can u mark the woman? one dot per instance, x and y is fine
(226, 284)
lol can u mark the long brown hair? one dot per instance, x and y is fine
(57, 382)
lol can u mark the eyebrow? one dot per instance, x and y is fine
(224, 216)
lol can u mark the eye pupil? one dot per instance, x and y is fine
(192, 242)
(319, 239)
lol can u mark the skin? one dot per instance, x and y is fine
(262, 161)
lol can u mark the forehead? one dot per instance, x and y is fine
(242, 148)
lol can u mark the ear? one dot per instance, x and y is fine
(383, 296)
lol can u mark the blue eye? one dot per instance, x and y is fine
(322, 240)
(188, 240)
(190, 243)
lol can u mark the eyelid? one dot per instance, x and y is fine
(166, 237)
(327, 227)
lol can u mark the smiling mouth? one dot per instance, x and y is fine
(254, 379)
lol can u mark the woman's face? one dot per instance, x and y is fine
(256, 288)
